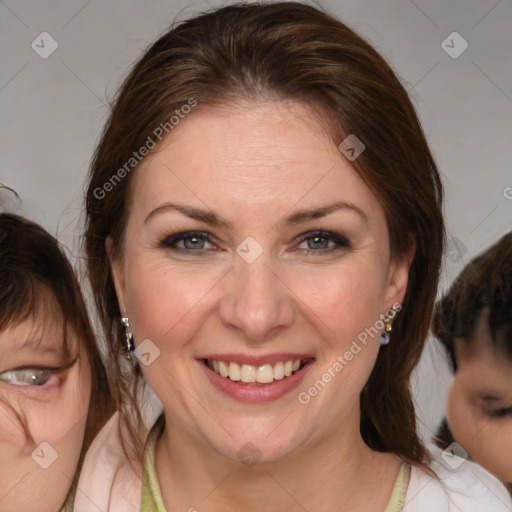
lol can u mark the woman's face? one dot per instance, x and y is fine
(52, 405)
(251, 243)
(479, 408)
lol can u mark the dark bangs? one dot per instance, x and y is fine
(36, 279)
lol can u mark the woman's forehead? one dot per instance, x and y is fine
(45, 319)
(44, 328)
(265, 133)
(483, 349)
(215, 159)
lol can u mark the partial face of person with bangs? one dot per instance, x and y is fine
(44, 401)
(479, 409)
(254, 255)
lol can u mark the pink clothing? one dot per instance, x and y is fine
(108, 484)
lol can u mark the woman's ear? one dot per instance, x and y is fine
(398, 277)
(117, 270)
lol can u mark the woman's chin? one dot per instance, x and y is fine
(253, 450)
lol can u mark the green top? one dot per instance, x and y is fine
(152, 497)
(68, 505)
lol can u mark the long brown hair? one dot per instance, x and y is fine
(288, 51)
(33, 268)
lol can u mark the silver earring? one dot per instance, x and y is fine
(388, 320)
(125, 322)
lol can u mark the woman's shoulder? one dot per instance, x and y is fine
(107, 480)
(461, 485)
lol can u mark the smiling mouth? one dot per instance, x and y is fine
(264, 374)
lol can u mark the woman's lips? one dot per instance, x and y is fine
(251, 383)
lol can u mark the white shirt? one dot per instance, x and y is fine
(108, 484)
(463, 486)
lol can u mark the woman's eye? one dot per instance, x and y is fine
(27, 376)
(322, 241)
(318, 242)
(189, 241)
(504, 412)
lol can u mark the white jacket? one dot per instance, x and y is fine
(463, 486)
(108, 484)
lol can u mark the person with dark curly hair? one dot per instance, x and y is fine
(473, 321)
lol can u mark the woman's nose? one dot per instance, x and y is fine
(256, 300)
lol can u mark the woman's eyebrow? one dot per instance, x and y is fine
(199, 214)
(297, 217)
(489, 396)
(322, 211)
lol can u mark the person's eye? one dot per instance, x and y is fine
(34, 376)
(188, 241)
(320, 242)
(500, 413)
(27, 376)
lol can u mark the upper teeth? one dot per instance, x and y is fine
(265, 374)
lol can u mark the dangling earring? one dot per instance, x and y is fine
(388, 320)
(125, 322)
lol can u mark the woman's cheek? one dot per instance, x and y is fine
(52, 422)
(348, 317)
(171, 303)
(464, 422)
(29, 409)
(503, 461)
(12, 435)
(456, 413)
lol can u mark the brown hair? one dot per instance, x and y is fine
(33, 267)
(485, 282)
(284, 51)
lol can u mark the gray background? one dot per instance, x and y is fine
(52, 110)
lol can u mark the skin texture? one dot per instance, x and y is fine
(254, 164)
(479, 409)
(54, 413)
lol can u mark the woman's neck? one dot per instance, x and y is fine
(338, 472)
